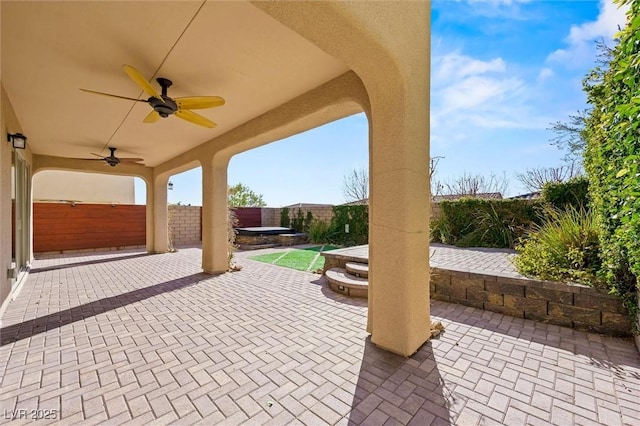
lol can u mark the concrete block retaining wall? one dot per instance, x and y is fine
(569, 305)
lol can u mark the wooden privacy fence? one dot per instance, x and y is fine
(249, 216)
(58, 227)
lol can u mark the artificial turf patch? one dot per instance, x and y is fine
(299, 259)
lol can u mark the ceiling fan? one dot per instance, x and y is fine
(163, 105)
(112, 160)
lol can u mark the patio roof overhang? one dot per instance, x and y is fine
(282, 66)
(231, 49)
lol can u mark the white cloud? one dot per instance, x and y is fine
(580, 49)
(456, 65)
(545, 73)
(505, 2)
(477, 90)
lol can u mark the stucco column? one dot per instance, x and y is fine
(387, 44)
(399, 227)
(157, 215)
(399, 203)
(214, 215)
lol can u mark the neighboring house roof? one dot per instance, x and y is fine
(307, 205)
(483, 195)
(528, 196)
(364, 201)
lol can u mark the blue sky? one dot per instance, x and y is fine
(502, 71)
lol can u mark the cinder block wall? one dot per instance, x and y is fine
(271, 215)
(185, 225)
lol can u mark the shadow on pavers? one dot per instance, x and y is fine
(88, 262)
(408, 390)
(30, 328)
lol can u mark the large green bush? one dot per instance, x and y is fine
(612, 160)
(574, 193)
(285, 221)
(357, 219)
(473, 222)
(564, 247)
(319, 232)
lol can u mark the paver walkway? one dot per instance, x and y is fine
(129, 338)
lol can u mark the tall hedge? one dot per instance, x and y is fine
(612, 159)
(473, 222)
(561, 195)
(357, 219)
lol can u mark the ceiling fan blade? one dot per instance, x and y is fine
(98, 155)
(87, 159)
(130, 159)
(199, 102)
(131, 162)
(152, 117)
(185, 114)
(113, 96)
(140, 81)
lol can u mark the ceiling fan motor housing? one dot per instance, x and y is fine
(165, 107)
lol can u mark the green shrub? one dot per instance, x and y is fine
(612, 161)
(476, 222)
(357, 218)
(440, 232)
(574, 192)
(297, 222)
(232, 223)
(285, 222)
(308, 220)
(494, 229)
(564, 247)
(319, 232)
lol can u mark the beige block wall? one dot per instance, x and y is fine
(185, 222)
(184, 225)
(57, 185)
(271, 215)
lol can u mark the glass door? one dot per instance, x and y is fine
(21, 214)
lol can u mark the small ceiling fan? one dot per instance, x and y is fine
(112, 160)
(163, 105)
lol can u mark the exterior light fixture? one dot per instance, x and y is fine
(170, 186)
(17, 139)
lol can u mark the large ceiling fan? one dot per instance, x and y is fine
(112, 160)
(163, 105)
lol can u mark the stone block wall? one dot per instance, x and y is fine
(185, 225)
(271, 215)
(569, 305)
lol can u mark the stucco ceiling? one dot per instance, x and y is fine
(229, 49)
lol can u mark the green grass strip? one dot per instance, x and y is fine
(268, 258)
(307, 259)
(297, 259)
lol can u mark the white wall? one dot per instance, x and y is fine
(57, 185)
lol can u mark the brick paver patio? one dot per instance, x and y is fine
(130, 338)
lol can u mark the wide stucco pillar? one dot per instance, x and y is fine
(387, 44)
(157, 215)
(399, 201)
(214, 215)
